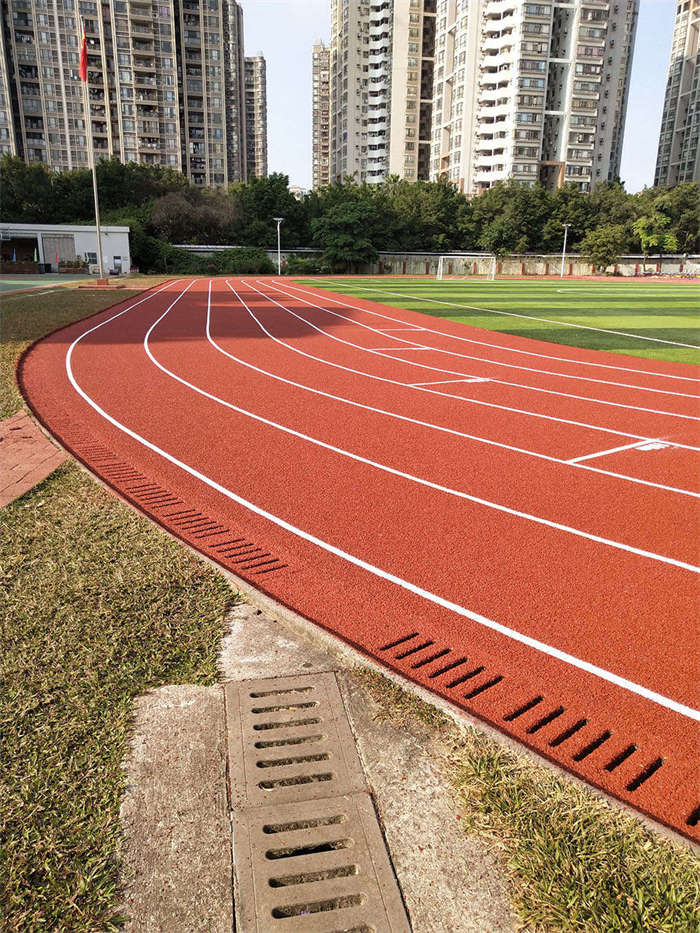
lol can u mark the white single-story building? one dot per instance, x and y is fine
(60, 245)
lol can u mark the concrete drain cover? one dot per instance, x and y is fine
(289, 739)
(308, 852)
(319, 866)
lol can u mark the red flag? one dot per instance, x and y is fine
(83, 55)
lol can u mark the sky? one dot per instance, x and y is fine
(285, 31)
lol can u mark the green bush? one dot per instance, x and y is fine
(305, 265)
(249, 260)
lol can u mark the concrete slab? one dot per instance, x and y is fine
(177, 847)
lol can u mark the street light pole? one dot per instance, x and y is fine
(563, 252)
(279, 254)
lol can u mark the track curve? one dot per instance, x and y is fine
(510, 526)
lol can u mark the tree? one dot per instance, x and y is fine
(26, 191)
(603, 246)
(342, 231)
(510, 217)
(654, 234)
(257, 203)
(568, 205)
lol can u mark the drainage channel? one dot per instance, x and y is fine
(308, 851)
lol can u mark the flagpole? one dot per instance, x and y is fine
(91, 157)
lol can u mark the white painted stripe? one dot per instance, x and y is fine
(438, 369)
(612, 450)
(397, 349)
(387, 330)
(530, 317)
(632, 479)
(483, 343)
(434, 598)
(443, 382)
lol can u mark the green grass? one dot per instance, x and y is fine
(664, 311)
(574, 862)
(100, 607)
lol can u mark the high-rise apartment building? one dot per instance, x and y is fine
(165, 80)
(381, 68)
(678, 158)
(256, 115)
(321, 131)
(534, 91)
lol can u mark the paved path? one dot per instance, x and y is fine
(26, 457)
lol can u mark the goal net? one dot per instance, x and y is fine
(466, 265)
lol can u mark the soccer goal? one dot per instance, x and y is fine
(466, 265)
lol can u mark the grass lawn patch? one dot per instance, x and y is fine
(665, 311)
(100, 607)
(575, 862)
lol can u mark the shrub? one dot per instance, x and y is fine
(305, 265)
(249, 260)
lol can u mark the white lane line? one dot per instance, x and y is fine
(603, 674)
(481, 359)
(461, 398)
(613, 450)
(483, 343)
(453, 372)
(444, 382)
(387, 330)
(435, 427)
(409, 476)
(398, 349)
(529, 317)
(406, 418)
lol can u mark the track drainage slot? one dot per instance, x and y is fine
(645, 774)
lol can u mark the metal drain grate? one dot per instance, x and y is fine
(317, 866)
(289, 739)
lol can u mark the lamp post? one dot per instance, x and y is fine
(279, 254)
(563, 252)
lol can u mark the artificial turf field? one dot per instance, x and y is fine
(665, 311)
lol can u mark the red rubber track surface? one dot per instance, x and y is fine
(438, 528)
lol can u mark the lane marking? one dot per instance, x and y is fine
(438, 369)
(398, 349)
(614, 450)
(654, 445)
(632, 479)
(386, 330)
(461, 398)
(442, 382)
(529, 317)
(537, 645)
(495, 346)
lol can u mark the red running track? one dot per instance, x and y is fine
(509, 523)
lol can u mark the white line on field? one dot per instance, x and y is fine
(530, 317)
